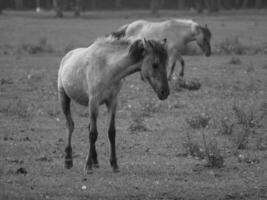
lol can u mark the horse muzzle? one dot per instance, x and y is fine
(163, 94)
(208, 52)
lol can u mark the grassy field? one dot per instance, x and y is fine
(160, 145)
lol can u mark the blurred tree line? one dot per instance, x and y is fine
(78, 5)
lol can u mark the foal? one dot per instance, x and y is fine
(178, 32)
(93, 76)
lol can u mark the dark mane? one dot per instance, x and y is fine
(119, 33)
(112, 41)
(159, 50)
(136, 50)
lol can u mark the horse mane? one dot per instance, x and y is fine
(110, 39)
(188, 22)
(135, 46)
(136, 50)
(120, 33)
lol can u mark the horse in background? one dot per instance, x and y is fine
(93, 76)
(178, 32)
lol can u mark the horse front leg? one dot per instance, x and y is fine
(112, 135)
(93, 133)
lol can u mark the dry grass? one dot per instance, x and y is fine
(226, 126)
(233, 46)
(19, 108)
(148, 159)
(248, 123)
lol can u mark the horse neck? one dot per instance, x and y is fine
(125, 66)
(189, 31)
(190, 35)
(186, 29)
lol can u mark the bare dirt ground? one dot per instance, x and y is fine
(152, 136)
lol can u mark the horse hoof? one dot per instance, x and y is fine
(68, 163)
(116, 169)
(96, 165)
(88, 170)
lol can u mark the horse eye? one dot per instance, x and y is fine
(155, 66)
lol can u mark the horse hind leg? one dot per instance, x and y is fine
(182, 67)
(65, 105)
(173, 63)
(91, 160)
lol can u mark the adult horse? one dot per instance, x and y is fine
(93, 76)
(178, 32)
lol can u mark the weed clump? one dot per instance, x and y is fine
(230, 46)
(247, 123)
(20, 109)
(198, 121)
(187, 84)
(41, 46)
(137, 124)
(213, 153)
(193, 149)
(235, 61)
(226, 127)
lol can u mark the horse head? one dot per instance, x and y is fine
(153, 68)
(203, 37)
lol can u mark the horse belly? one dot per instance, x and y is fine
(79, 96)
(75, 85)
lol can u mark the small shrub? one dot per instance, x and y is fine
(198, 121)
(230, 46)
(149, 108)
(250, 69)
(248, 123)
(41, 47)
(19, 108)
(264, 66)
(193, 148)
(53, 112)
(137, 124)
(235, 61)
(190, 84)
(247, 158)
(261, 144)
(213, 153)
(226, 127)
(5, 81)
(248, 120)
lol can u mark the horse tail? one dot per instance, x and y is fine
(121, 32)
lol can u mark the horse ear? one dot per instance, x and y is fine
(164, 42)
(145, 43)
